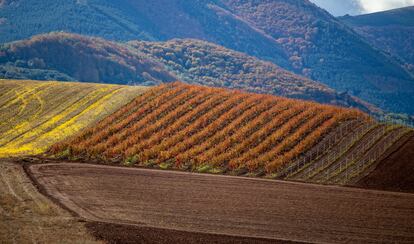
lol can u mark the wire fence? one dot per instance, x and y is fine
(327, 166)
(357, 160)
(343, 136)
(332, 161)
(356, 168)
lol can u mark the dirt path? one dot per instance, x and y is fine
(229, 205)
(26, 216)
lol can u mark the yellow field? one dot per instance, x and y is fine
(35, 115)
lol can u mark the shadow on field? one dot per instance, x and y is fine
(395, 172)
(116, 233)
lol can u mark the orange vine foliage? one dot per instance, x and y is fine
(193, 126)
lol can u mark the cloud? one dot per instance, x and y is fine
(369, 6)
(354, 7)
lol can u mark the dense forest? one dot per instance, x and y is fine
(63, 56)
(294, 34)
(323, 48)
(391, 31)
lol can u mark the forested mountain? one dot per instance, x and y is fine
(67, 57)
(124, 20)
(62, 56)
(391, 31)
(324, 49)
(294, 34)
(213, 65)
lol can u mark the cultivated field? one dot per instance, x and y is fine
(29, 217)
(221, 131)
(229, 205)
(35, 115)
(194, 128)
(209, 130)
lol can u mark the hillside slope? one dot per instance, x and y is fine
(61, 56)
(200, 128)
(295, 34)
(67, 57)
(216, 130)
(204, 63)
(35, 115)
(124, 20)
(326, 50)
(394, 172)
(391, 31)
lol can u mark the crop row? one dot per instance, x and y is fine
(182, 125)
(35, 115)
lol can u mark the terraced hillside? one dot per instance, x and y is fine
(208, 129)
(35, 115)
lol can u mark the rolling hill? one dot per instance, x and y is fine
(124, 20)
(324, 49)
(202, 129)
(62, 56)
(35, 115)
(391, 31)
(294, 34)
(67, 57)
(222, 131)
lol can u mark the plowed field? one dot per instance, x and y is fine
(229, 205)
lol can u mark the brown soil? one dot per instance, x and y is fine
(26, 216)
(181, 202)
(117, 233)
(395, 172)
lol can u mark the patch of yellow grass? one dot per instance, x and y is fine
(34, 115)
(26, 216)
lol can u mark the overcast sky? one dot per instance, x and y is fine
(354, 7)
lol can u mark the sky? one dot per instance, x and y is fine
(355, 7)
